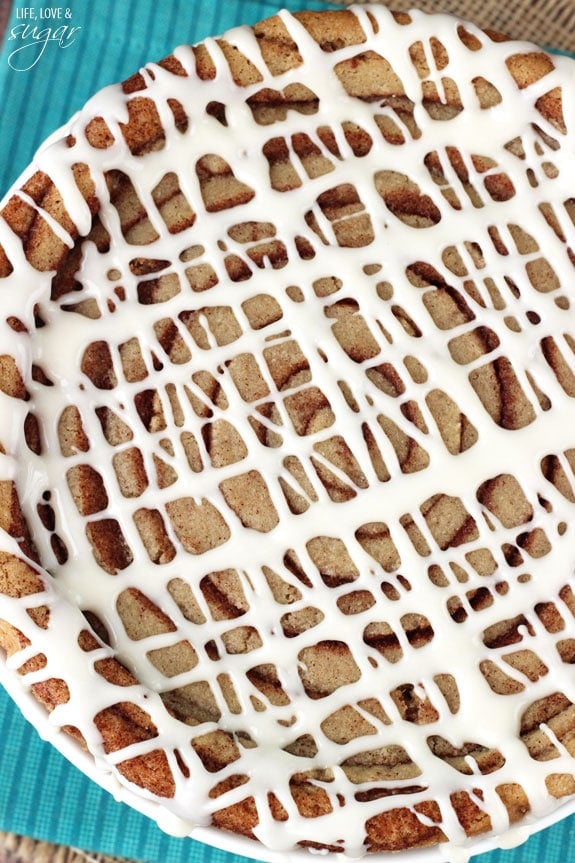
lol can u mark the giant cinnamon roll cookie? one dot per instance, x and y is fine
(287, 432)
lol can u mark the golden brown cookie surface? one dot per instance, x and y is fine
(287, 355)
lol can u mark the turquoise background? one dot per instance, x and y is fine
(41, 794)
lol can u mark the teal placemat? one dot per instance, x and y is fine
(49, 66)
(46, 76)
(43, 796)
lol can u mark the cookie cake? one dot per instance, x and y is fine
(287, 471)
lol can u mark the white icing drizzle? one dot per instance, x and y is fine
(456, 648)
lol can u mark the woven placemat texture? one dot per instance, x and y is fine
(23, 849)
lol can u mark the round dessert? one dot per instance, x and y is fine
(287, 432)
